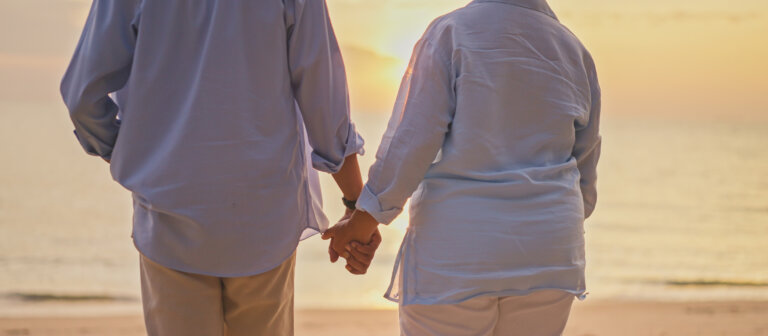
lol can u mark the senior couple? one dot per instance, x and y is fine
(217, 115)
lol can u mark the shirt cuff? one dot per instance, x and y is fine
(354, 145)
(91, 150)
(369, 203)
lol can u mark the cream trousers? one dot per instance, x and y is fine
(541, 313)
(185, 304)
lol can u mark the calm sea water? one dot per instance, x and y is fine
(682, 215)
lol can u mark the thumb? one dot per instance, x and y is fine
(330, 233)
(332, 253)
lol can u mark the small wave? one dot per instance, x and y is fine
(708, 283)
(750, 209)
(48, 297)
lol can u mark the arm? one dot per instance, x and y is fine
(350, 182)
(423, 112)
(101, 65)
(416, 131)
(586, 149)
(348, 178)
(319, 85)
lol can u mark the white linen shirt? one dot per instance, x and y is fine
(215, 104)
(495, 128)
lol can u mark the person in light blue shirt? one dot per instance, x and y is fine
(206, 111)
(495, 133)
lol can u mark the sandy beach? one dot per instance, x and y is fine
(588, 319)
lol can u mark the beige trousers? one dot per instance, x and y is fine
(541, 313)
(185, 304)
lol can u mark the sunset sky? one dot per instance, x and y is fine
(679, 57)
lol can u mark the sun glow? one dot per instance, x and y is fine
(653, 57)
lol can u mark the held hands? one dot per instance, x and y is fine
(335, 256)
(355, 238)
(362, 255)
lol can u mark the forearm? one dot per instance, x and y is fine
(349, 179)
(101, 65)
(319, 84)
(96, 125)
(397, 174)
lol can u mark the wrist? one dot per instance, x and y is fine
(349, 203)
(365, 219)
(352, 189)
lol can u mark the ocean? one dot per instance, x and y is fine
(682, 215)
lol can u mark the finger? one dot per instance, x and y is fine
(367, 250)
(345, 255)
(359, 265)
(354, 271)
(339, 249)
(332, 253)
(360, 250)
(356, 252)
(375, 240)
(330, 233)
(338, 246)
(370, 248)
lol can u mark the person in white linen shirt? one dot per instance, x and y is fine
(495, 129)
(216, 105)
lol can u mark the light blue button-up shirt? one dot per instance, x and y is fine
(496, 130)
(214, 103)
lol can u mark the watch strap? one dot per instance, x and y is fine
(350, 204)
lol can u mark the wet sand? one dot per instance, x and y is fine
(608, 318)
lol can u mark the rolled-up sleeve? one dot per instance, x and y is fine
(101, 65)
(588, 144)
(320, 84)
(420, 120)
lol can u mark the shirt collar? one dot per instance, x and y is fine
(537, 5)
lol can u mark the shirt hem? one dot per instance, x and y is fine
(581, 295)
(261, 270)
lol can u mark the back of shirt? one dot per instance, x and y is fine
(526, 101)
(495, 133)
(507, 99)
(213, 97)
(208, 111)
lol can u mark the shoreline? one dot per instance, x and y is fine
(596, 318)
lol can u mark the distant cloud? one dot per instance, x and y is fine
(373, 77)
(370, 54)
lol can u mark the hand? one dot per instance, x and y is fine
(347, 214)
(362, 255)
(331, 252)
(359, 227)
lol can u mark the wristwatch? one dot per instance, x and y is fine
(350, 204)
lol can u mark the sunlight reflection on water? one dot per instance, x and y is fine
(682, 216)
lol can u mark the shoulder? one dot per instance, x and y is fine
(118, 4)
(117, 8)
(441, 31)
(446, 29)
